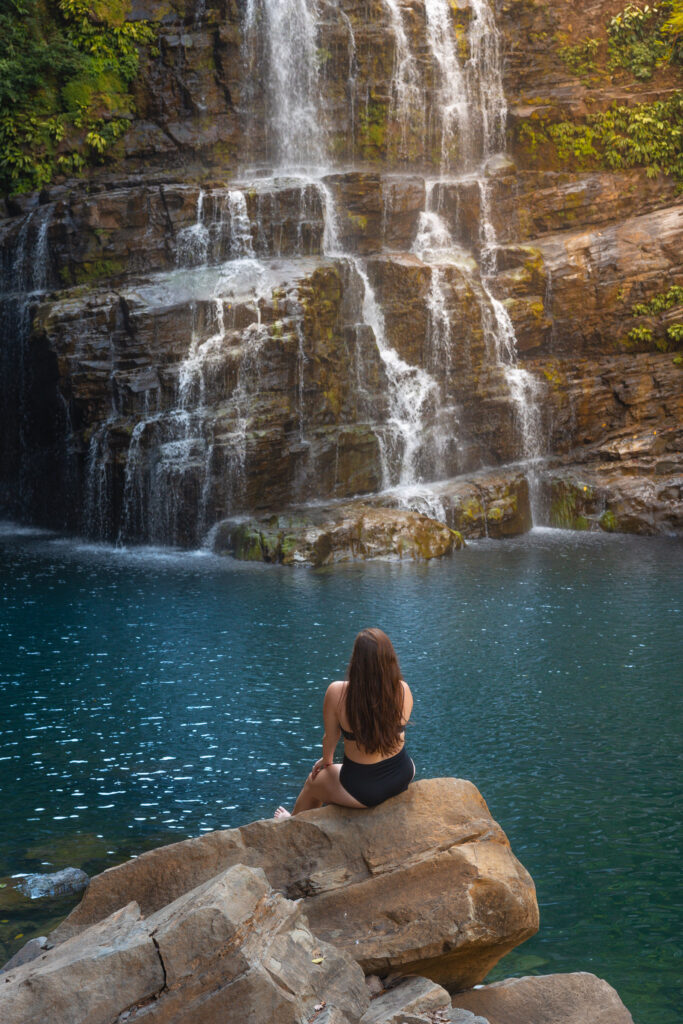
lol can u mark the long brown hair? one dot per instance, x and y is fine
(374, 696)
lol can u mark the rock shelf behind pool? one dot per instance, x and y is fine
(425, 883)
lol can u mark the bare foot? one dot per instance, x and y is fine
(282, 812)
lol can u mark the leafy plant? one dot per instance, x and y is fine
(646, 135)
(580, 57)
(640, 335)
(640, 40)
(660, 302)
(672, 335)
(66, 68)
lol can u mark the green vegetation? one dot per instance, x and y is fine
(641, 39)
(646, 135)
(608, 521)
(580, 58)
(664, 338)
(640, 335)
(674, 24)
(571, 505)
(660, 302)
(66, 70)
(372, 121)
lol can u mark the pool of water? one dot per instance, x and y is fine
(150, 695)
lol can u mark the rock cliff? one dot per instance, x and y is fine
(351, 249)
(280, 921)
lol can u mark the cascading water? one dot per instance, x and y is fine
(468, 119)
(193, 442)
(295, 131)
(407, 106)
(30, 456)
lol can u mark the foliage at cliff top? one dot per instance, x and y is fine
(66, 68)
(639, 40)
(645, 38)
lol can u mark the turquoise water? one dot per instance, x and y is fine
(148, 696)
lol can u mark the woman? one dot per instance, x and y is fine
(370, 710)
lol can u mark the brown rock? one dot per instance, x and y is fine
(229, 949)
(410, 997)
(91, 977)
(550, 999)
(446, 900)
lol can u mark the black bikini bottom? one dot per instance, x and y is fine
(371, 784)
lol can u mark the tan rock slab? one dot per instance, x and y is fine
(547, 999)
(89, 978)
(229, 950)
(409, 998)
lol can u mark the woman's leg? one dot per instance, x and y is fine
(325, 788)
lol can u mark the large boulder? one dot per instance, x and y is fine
(550, 999)
(425, 883)
(229, 950)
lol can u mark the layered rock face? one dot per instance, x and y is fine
(314, 273)
(280, 921)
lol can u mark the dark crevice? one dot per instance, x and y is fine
(161, 961)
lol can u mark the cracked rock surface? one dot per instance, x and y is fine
(229, 950)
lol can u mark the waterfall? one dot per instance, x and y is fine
(407, 106)
(254, 238)
(296, 129)
(452, 101)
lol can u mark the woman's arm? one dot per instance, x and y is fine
(332, 727)
(407, 702)
(331, 722)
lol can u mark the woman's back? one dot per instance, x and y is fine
(353, 749)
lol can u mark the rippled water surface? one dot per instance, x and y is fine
(148, 696)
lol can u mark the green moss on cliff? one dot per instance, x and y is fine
(66, 71)
(372, 124)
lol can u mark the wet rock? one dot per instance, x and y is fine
(626, 261)
(491, 503)
(642, 497)
(446, 900)
(550, 999)
(339, 533)
(58, 883)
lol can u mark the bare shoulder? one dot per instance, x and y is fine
(335, 690)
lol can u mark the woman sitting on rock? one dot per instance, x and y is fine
(370, 711)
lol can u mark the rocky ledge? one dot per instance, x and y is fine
(337, 916)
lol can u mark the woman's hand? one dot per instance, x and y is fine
(318, 767)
